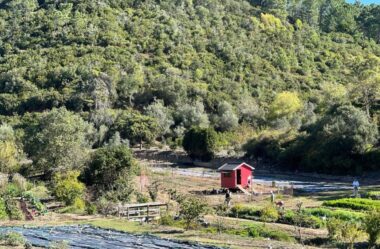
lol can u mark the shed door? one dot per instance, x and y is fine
(238, 176)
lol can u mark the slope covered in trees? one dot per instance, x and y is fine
(289, 75)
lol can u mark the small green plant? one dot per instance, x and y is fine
(91, 209)
(372, 227)
(3, 210)
(59, 245)
(166, 220)
(191, 209)
(269, 214)
(13, 239)
(13, 210)
(350, 233)
(334, 228)
(141, 198)
(153, 190)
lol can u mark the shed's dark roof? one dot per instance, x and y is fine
(233, 166)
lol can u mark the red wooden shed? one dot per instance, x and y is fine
(236, 175)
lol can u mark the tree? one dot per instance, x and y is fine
(135, 127)
(343, 134)
(162, 115)
(285, 104)
(200, 143)
(60, 141)
(67, 188)
(367, 92)
(276, 7)
(191, 209)
(193, 115)
(108, 164)
(350, 126)
(372, 227)
(9, 151)
(226, 119)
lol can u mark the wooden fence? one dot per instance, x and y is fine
(141, 211)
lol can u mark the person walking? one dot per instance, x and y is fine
(228, 198)
(356, 185)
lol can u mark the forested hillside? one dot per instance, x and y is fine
(296, 82)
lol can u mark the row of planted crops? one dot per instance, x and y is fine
(345, 209)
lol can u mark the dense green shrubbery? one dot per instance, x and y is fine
(354, 204)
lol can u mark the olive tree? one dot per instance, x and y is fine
(60, 141)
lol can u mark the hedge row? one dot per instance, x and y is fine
(354, 204)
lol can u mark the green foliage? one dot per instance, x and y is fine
(9, 151)
(190, 209)
(351, 232)
(167, 220)
(285, 104)
(301, 219)
(13, 209)
(153, 190)
(372, 227)
(257, 231)
(108, 164)
(271, 64)
(91, 209)
(375, 195)
(344, 215)
(3, 210)
(136, 128)
(334, 228)
(335, 142)
(13, 239)
(67, 188)
(141, 198)
(11, 190)
(240, 211)
(200, 143)
(59, 245)
(39, 192)
(354, 204)
(59, 141)
(269, 213)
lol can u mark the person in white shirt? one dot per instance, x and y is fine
(356, 185)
